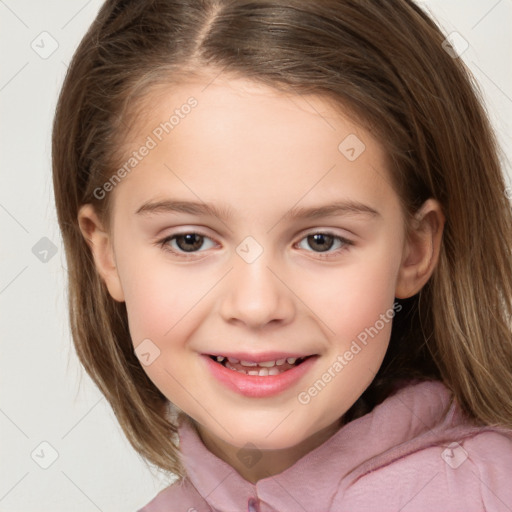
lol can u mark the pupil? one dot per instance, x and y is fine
(189, 239)
(319, 239)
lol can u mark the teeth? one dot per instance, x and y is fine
(262, 372)
(248, 363)
(263, 364)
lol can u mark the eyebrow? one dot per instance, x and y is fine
(192, 207)
(224, 213)
(348, 207)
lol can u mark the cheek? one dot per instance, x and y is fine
(156, 298)
(162, 306)
(359, 313)
(150, 309)
(351, 298)
(365, 300)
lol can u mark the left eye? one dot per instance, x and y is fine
(186, 242)
(325, 241)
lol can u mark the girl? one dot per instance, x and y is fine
(289, 242)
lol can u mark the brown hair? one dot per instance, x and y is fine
(383, 60)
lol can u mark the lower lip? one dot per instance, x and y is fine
(255, 386)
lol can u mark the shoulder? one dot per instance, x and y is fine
(180, 496)
(470, 473)
(490, 456)
(476, 468)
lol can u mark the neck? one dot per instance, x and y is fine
(255, 464)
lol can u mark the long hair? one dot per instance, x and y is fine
(384, 62)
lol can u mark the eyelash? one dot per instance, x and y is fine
(164, 244)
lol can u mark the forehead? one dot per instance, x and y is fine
(233, 138)
(221, 98)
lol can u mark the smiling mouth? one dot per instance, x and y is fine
(261, 369)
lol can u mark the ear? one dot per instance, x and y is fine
(102, 250)
(421, 249)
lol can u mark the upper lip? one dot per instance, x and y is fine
(259, 357)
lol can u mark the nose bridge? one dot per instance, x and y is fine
(254, 294)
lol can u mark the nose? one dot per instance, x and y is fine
(255, 294)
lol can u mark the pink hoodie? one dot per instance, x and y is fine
(415, 452)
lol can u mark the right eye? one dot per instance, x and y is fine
(183, 243)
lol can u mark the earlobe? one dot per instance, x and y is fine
(102, 250)
(421, 249)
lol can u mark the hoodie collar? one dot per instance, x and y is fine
(415, 415)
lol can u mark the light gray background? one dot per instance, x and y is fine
(45, 395)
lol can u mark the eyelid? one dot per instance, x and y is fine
(164, 242)
(347, 242)
(326, 231)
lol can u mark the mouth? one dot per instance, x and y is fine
(262, 368)
(259, 375)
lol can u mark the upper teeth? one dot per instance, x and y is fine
(265, 364)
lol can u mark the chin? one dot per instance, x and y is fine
(266, 436)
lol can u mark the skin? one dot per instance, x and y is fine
(259, 152)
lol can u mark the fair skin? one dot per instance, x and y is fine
(260, 153)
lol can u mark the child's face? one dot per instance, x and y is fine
(257, 284)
